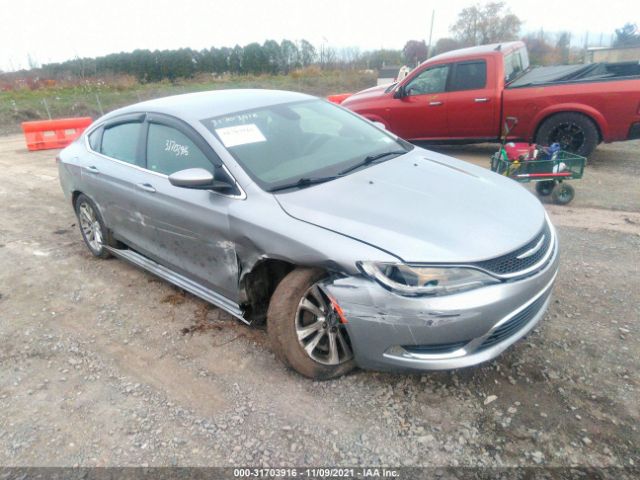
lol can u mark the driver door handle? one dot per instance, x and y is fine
(146, 187)
(481, 100)
(435, 103)
(92, 169)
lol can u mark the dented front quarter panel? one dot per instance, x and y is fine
(261, 230)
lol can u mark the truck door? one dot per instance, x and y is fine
(472, 102)
(421, 112)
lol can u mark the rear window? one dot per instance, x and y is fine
(94, 140)
(469, 76)
(515, 63)
(121, 142)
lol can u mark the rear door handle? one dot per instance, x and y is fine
(146, 187)
(434, 104)
(92, 169)
(481, 100)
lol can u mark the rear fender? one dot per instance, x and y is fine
(590, 112)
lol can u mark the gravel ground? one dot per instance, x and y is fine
(102, 364)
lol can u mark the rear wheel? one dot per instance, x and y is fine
(545, 188)
(563, 193)
(305, 329)
(92, 226)
(574, 132)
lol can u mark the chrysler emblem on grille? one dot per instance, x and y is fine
(533, 250)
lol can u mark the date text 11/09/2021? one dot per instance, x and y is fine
(315, 472)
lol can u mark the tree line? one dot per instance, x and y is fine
(269, 57)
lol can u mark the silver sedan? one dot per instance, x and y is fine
(356, 247)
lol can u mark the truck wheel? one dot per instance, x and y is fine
(573, 131)
(305, 330)
(563, 193)
(545, 188)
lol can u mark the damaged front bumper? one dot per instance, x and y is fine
(392, 332)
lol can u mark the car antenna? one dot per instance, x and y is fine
(497, 49)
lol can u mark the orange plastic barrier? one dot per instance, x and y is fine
(58, 133)
(339, 97)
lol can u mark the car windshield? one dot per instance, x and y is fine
(280, 144)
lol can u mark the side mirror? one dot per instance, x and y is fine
(400, 92)
(197, 178)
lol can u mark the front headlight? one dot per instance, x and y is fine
(416, 280)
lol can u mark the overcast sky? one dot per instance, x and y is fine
(58, 30)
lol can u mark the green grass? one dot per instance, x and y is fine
(94, 97)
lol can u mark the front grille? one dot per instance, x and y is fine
(514, 324)
(510, 263)
(435, 349)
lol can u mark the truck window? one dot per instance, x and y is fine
(432, 80)
(515, 63)
(469, 76)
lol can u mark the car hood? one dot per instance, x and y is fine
(423, 207)
(369, 93)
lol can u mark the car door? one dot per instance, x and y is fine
(472, 104)
(111, 171)
(186, 230)
(421, 112)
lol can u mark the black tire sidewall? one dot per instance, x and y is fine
(586, 124)
(563, 194)
(281, 326)
(103, 252)
(545, 188)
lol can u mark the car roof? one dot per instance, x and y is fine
(200, 105)
(492, 49)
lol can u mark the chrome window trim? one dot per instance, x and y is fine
(241, 196)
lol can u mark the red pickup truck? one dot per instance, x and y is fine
(463, 96)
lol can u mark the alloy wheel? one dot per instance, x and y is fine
(569, 135)
(90, 226)
(319, 330)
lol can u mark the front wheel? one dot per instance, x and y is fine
(563, 193)
(305, 329)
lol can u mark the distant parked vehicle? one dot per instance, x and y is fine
(355, 246)
(463, 96)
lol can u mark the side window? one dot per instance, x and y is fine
(469, 76)
(433, 80)
(94, 140)
(513, 65)
(121, 142)
(169, 151)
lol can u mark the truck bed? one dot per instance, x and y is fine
(564, 74)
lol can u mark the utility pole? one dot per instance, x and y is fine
(433, 13)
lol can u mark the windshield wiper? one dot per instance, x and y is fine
(370, 159)
(303, 182)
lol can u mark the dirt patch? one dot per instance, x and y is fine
(102, 364)
(176, 298)
(595, 219)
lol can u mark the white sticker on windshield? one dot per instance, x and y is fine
(240, 135)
